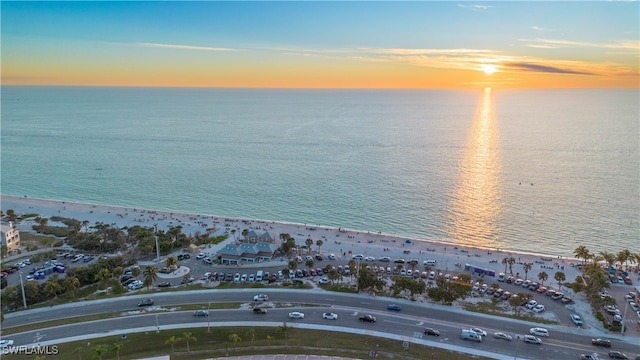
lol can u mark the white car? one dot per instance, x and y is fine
(538, 308)
(501, 335)
(5, 343)
(296, 315)
(531, 304)
(576, 319)
(330, 316)
(537, 331)
(261, 297)
(369, 258)
(634, 306)
(479, 331)
(201, 256)
(530, 339)
(332, 256)
(323, 280)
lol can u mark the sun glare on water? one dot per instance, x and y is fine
(488, 68)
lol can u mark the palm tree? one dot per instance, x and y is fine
(235, 339)
(284, 328)
(52, 287)
(135, 271)
(319, 243)
(171, 262)
(85, 225)
(244, 233)
(526, 267)
(72, 284)
(79, 350)
(293, 264)
(252, 335)
(308, 242)
(623, 257)
(560, 277)
(187, 336)
(117, 272)
(150, 275)
(581, 252)
(117, 347)
(505, 261)
(309, 263)
(608, 257)
(100, 350)
(103, 275)
(172, 341)
(543, 276)
(511, 262)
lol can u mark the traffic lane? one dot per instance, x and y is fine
(388, 323)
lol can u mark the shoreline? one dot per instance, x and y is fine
(342, 242)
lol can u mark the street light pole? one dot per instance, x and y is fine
(208, 321)
(157, 325)
(515, 356)
(24, 298)
(624, 317)
(155, 235)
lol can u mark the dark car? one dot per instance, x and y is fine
(601, 342)
(145, 302)
(394, 307)
(259, 311)
(431, 331)
(618, 355)
(367, 318)
(319, 257)
(199, 313)
(164, 284)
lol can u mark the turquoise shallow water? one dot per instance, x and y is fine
(528, 170)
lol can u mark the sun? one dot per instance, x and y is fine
(488, 68)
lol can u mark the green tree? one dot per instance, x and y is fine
(11, 214)
(449, 291)
(581, 252)
(319, 243)
(560, 278)
(251, 333)
(100, 350)
(79, 350)
(150, 276)
(135, 271)
(52, 287)
(309, 243)
(309, 263)
(518, 299)
(543, 276)
(284, 329)
(526, 267)
(244, 233)
(608, 257)
(511, 261)
(505, 261)
(623, 257)
(103, 275)
(117, 347)
(188, 337)
(293, 264)
(117, 272)
(235, 339)
(368, 281)
(172, 341)
(171, 262)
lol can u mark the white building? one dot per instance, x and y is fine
(10, 237)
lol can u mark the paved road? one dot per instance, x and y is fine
(563, 343)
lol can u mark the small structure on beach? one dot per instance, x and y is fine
(233, 254)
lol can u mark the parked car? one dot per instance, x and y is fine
(296, 315)
(201, 256)
(538, 308)
(145, 302)
(503, 336)
(164, 284)
(330, 316)
(601, 342)
(576, 319)
(432, 332)
(199, 313)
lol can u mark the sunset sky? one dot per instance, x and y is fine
(322, 44)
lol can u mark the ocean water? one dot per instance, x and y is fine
(530, 170)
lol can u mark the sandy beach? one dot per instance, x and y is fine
(341, 242)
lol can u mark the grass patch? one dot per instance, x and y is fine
(490, 308)
(249, 340)
(339, 288)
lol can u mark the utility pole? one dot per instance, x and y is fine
(24, 298)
